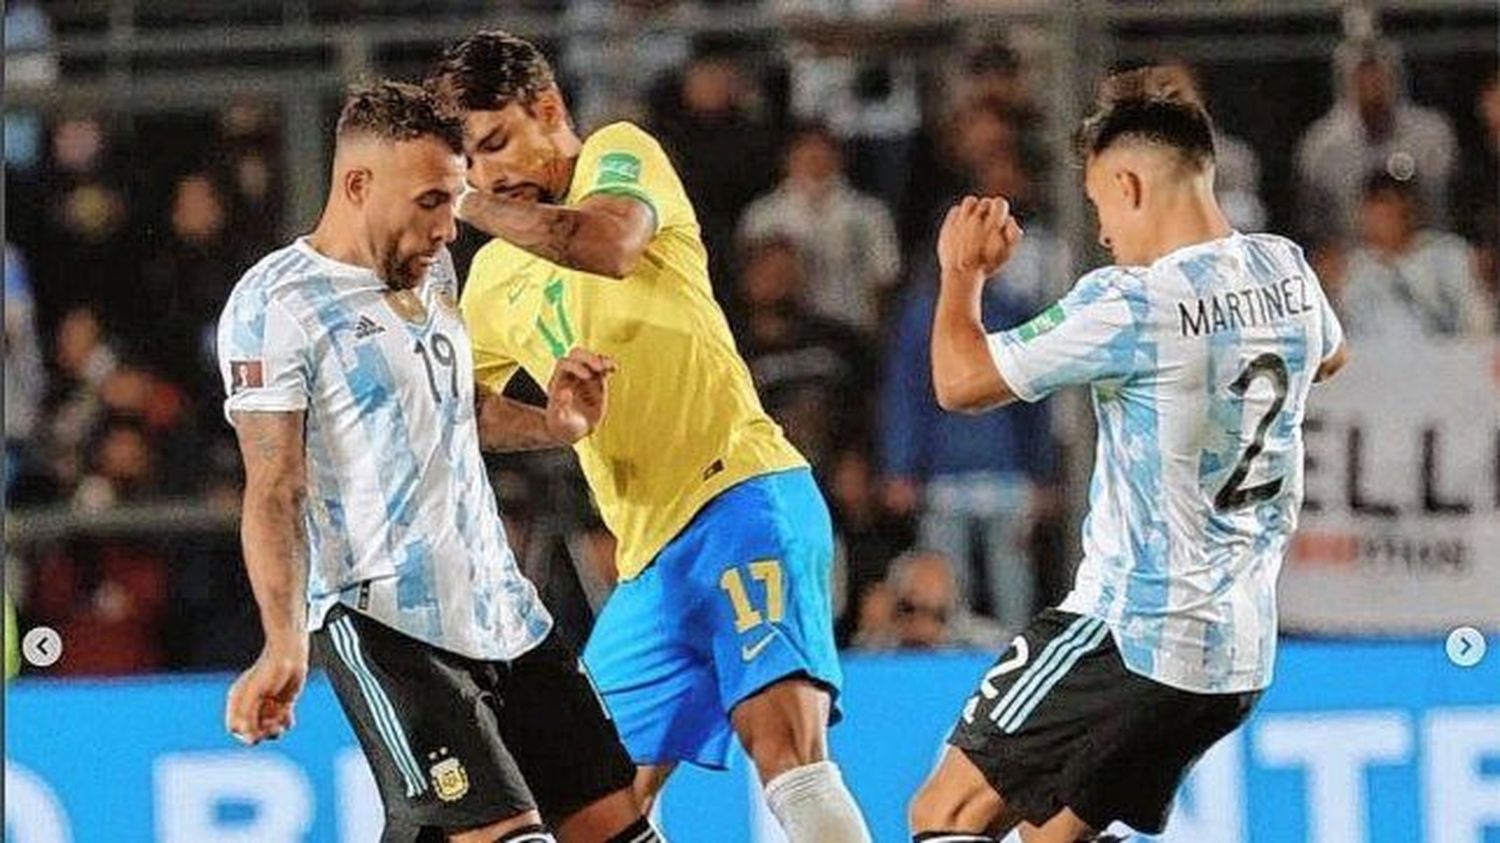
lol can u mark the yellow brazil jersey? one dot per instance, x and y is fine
(683, 421)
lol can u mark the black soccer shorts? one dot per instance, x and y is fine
(458, 744)
(1060, 722)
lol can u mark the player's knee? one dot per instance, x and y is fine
(931, 808)
(943, 805)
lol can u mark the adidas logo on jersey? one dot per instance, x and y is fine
(367, 327)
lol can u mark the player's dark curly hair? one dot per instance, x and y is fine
(1146, 105)
(488, 71)
(397, 111)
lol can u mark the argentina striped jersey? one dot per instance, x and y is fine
(401, 521)
(1200, 367)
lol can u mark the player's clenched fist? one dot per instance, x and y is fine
(576, 394)
(262, 698)
(978, 236)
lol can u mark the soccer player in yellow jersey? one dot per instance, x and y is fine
(721, 623)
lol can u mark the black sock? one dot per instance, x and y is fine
(640, 831)
(951, 837)
(528, 834)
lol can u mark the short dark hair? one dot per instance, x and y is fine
(396, 111)
(488, 71)
(1145, 105)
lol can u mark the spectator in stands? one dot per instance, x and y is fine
(866, 538)
(847, 239)
(987, 476)
(1405, 280)
(85, 253)
(871, 100)
(920, 609)
(84, 359)
(993, 74)
(724, 152)
(251, 145)
(1236, 166)
(1372, 126)
(27, 478)
(122, 470)
(25, 380)
(1476, 192)
(814, 374)
(186, 280)
(625, 50)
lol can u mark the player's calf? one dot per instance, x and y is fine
(784, 731)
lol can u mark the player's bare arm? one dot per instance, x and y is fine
(275, 549)
(1334, 362)
(977, 238)
(604, 234)
(576, 398)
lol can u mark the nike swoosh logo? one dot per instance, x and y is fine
(749, 653)
(515, 294)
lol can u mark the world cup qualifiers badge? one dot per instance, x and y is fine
(449, 778)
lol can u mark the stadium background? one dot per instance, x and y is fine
(155, 149)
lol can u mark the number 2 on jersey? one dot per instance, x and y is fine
(1231, 496)
(746, 616)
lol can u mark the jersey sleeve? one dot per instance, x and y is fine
(622, 160)
(1331, 329)
(1089, 336)
(265, 357)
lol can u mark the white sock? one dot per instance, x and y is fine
(813, 806)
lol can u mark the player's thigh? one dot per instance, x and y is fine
(646, 654)
(1142, 758)
(958, 797)
(421, 716)
(561, 735)
(1028, 726)
(768, 617)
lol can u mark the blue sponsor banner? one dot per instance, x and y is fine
(1357, 742)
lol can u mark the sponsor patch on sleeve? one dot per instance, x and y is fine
(246, 374)
(1041, 324)
(619, 168)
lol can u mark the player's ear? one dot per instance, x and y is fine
(356, 185)
(1131, 188)
(549, 109)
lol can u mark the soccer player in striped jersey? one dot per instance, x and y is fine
(1200, 346)
(369, 521)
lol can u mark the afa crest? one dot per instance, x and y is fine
(449, 779)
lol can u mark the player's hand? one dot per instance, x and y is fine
(262, 698)
(576, 394)
(977, 238)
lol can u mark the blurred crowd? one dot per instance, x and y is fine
(818, 175)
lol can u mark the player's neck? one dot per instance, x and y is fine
(1187, 220)
(333, 240)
